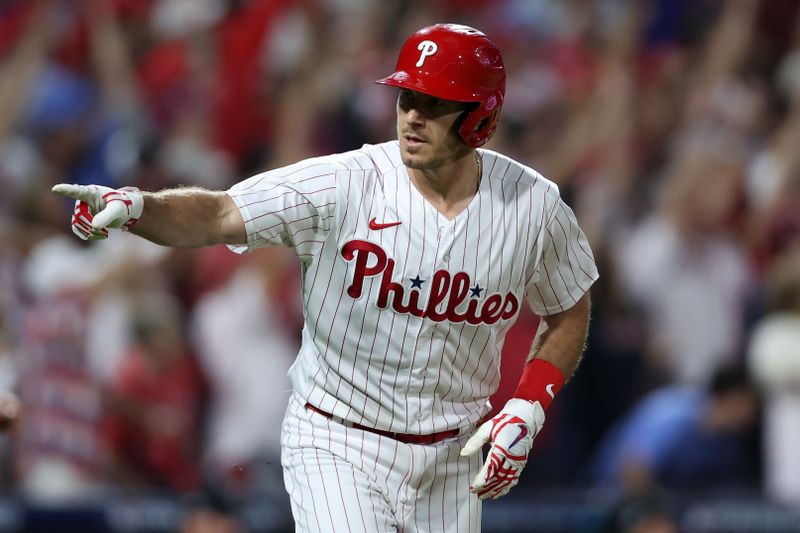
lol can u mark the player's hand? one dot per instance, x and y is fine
(98, 208)
(511, 434)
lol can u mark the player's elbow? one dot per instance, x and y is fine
(574, 316)
(231, 227)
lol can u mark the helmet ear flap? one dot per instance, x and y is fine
(480, 124)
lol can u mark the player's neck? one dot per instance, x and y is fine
(449, 188)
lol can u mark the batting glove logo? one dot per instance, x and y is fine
(511, 434)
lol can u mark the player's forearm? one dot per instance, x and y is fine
(555, 355)
(564, 340)
(190, 217)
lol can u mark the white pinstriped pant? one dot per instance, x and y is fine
(343, 479)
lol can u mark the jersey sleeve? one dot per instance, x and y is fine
(565, 268)
(293, 206)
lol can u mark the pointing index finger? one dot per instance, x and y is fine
(76, 192)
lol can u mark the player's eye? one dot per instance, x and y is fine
(442, 106)
(405, 99)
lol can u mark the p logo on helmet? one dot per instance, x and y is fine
(426, 48)
(456, 63)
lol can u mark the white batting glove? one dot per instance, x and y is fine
(511, 433)
(98, 208)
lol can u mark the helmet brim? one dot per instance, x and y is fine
(404, 80)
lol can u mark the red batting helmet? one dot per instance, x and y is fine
(458, 63)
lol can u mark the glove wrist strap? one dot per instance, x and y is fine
(136, 207)
(541, 380)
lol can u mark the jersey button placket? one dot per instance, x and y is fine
(446, 238)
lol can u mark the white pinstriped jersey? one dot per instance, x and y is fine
(406, 311)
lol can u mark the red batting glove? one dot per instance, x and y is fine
(511, 434)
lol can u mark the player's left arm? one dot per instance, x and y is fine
(553, 359)
(559, 292)
(563, 339)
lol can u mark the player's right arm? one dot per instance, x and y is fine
(190, 217)
(292, 206)
(185, 218)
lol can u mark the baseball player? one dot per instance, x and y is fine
(416, 256)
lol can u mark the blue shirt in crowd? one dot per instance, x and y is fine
(665, 433)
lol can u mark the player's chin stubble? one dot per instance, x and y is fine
(414, 158)
(420, 162)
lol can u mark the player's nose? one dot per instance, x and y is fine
(414, 116)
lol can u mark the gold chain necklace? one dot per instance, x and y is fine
(479, 160)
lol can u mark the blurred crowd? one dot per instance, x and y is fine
(672, 128)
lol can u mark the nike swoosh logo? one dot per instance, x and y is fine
(375, 225)
(549, 390)
(523, 430)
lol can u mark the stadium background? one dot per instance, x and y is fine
(154, 380)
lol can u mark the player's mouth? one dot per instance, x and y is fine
(413, 140)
